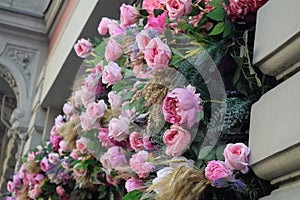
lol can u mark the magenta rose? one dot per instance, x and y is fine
(178, 8)
(157, 54)
(129, 15)
(134, 184)
(112, 74)
(118, 128)
(103, 26)
(181, 106)
(83, 48)
(136, 141)
(158, 23)
(113, 50)
(236, 157)
(45, 165)
(139, 163)
(176, 139)
(151, 5)
(96, 110)
(216, 169)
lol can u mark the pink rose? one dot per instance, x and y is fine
(112, 74)
(134, 184)
(142, 40)
(176, 140)
(63, 147)
(115, 100)
(90, 83)
(136, 141)
(105, 161)
(128, 113)
(181, 106)
(236, 157)
(17, 181)
(60, 191)
(150, 5)
(54, 130)
(34, 192)
(37, 178)
(87, 122)
(178, 8)
(10, 186)
(158, 23)
(10, 198)
(66, 163)
(59, 120)
(83, 48)
(104, 138)
(118, 128)
(81, 144)
(147, 143)
(68, 109)
(216, 169)
(83, 96)
(53, 158)
(74, 154)
(115, 28)
(113, 50)
(45, 165)
(78, 170)
(55, 139)
(157, 54)
(117, 157)
(140, 165)
(129, 15)
(96, 110)
(31, 156)
(103, 26)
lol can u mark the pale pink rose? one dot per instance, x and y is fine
(31, 156)
(216, 169)
(88, 122)
(136, 141)
(55, 139)
(176, 139)
(139, 163)
(45, 165)
(74, 154)
(34, 192)
(90, 83)
(103, 26)
(111, 180)
(157, 54)
(118, 128)
(63, 147)
(129, 15)
(37, 178)
(115, 28)
(59, 120)
(83, 48)
(128, 113)
(83, 97)
(17, 181)
(113, 50)
(181, 106)
(60, 191)
(236, 157)
(53, 158)
(104, 138)
(81, 144)
(10, 186)
(142, 40)
(115, 100)
(134, 184)
(96, 110)
(66, 164)
(68, 109)
(54, 130)
(10, 198)
(117, 157)
(78, 170)
(158, 23)
(112, 74)
(178, 8)
(99, 68)
(150, 5)
(147, 143)
(105, 161)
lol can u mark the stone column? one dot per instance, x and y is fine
(274, 124)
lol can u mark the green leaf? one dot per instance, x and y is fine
(127, 106)
(219, 28)
(128, 95)
(158, 12)
(195, 11)
(204, 152)
(200, 116)
(245, 36)
(227, 2)
(215, 3)
(217, 14)
(144, 12)
(219, 152)
(133, 195)
(236, 76)
(227, 28)
(182, 25)
(168, 34)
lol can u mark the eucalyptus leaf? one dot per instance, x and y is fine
(219, 28)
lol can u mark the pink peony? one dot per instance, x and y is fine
(68, 109)
(112, 74)
(81, 144)
(113, 50)
(150, 5)
(236, 157)
(136, 141)
(103, 26)
(140, 165)
(10, 186)
(115, 100)
(142, 40)
(129, 15)
(176, 140)
(53, 158)
(181, 106)
(83, 48)
(104, 138)
(118, 128)
(157, 54)
(178, 8)
(158, 23)
(96, 110)
(34, 192)
(134, 184)
(216, 169)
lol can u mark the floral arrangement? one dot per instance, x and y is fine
(161, 112)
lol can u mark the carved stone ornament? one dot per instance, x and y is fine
(8, 77)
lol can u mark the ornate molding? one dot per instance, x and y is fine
(9, 78)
